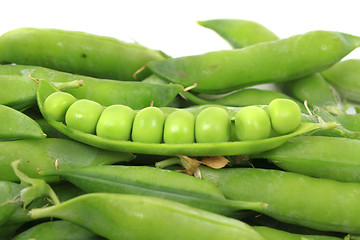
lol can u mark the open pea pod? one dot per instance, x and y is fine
(194, 149)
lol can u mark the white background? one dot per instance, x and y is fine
(171, 26)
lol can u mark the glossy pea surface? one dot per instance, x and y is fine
(179, 127)
(285, 115)
(252, 123)
(148, 125)
(83, 115)
(116, 122)
(57, 104)
(212, 125)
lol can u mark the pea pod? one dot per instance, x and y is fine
(241, 98)
(119, 216)
(349, 121)
(318, 156)
(8, 203)
(191, 149)
(49, 153)
(238, 32)
(313, 88)
(16, 125)
(76, 52)
(274, 234)
(344, 76)
(321, 204)
(105, 91)
(222, 71)
(56, 230)
(149, 181)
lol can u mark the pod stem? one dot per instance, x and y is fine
(69, 85)
(168, 162)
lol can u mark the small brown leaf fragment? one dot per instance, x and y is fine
(190, 164)
(215, 162)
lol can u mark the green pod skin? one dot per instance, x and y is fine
(240, 33)
(38, 155)
(56, 230)
(17, 91)
(315, 90)
(16, 125)
(318, 156)
(120, 216)
(76, 52)
(179, 127)
(226, 70)
(321, 204)
(349, 121)
(8, 204)
(241, 98)
(148, 126)
(83, 115)
(212, 125)
(345, 77)
(116, 122)
(274, 234)
(204, 149)
(104, 91)
(149, 181)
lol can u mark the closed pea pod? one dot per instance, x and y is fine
(222, 71)
(119, 216)
(148, 125)
(115, 122)
(321, 204)
(318, 156)
(252, 123)
(8, 204)
(179, 127)
(212, 125)
(83, 115)
(16, 125)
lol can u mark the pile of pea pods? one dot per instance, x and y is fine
(104, 139)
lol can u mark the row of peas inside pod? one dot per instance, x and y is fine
(150, 125)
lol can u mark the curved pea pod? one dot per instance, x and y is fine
(316, 91)
(16, 125)
(119, 216)
(56, 230)
(76, 52)
(313, 88)
(17, 91)
(51, 153)
(274, 234)
(149, 181)
(189, 149)
(8, 203)
(345, 77)
(318, 156)
(104, 91)
(238, 32)
(226, 70)
(241, 98)
(321, 204)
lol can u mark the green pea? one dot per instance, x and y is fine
(252, 123)
(116, 122)
(285, 115)
(179, 127)
(148, 125)
(83, 115)
(212, 125)
(57, 104)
